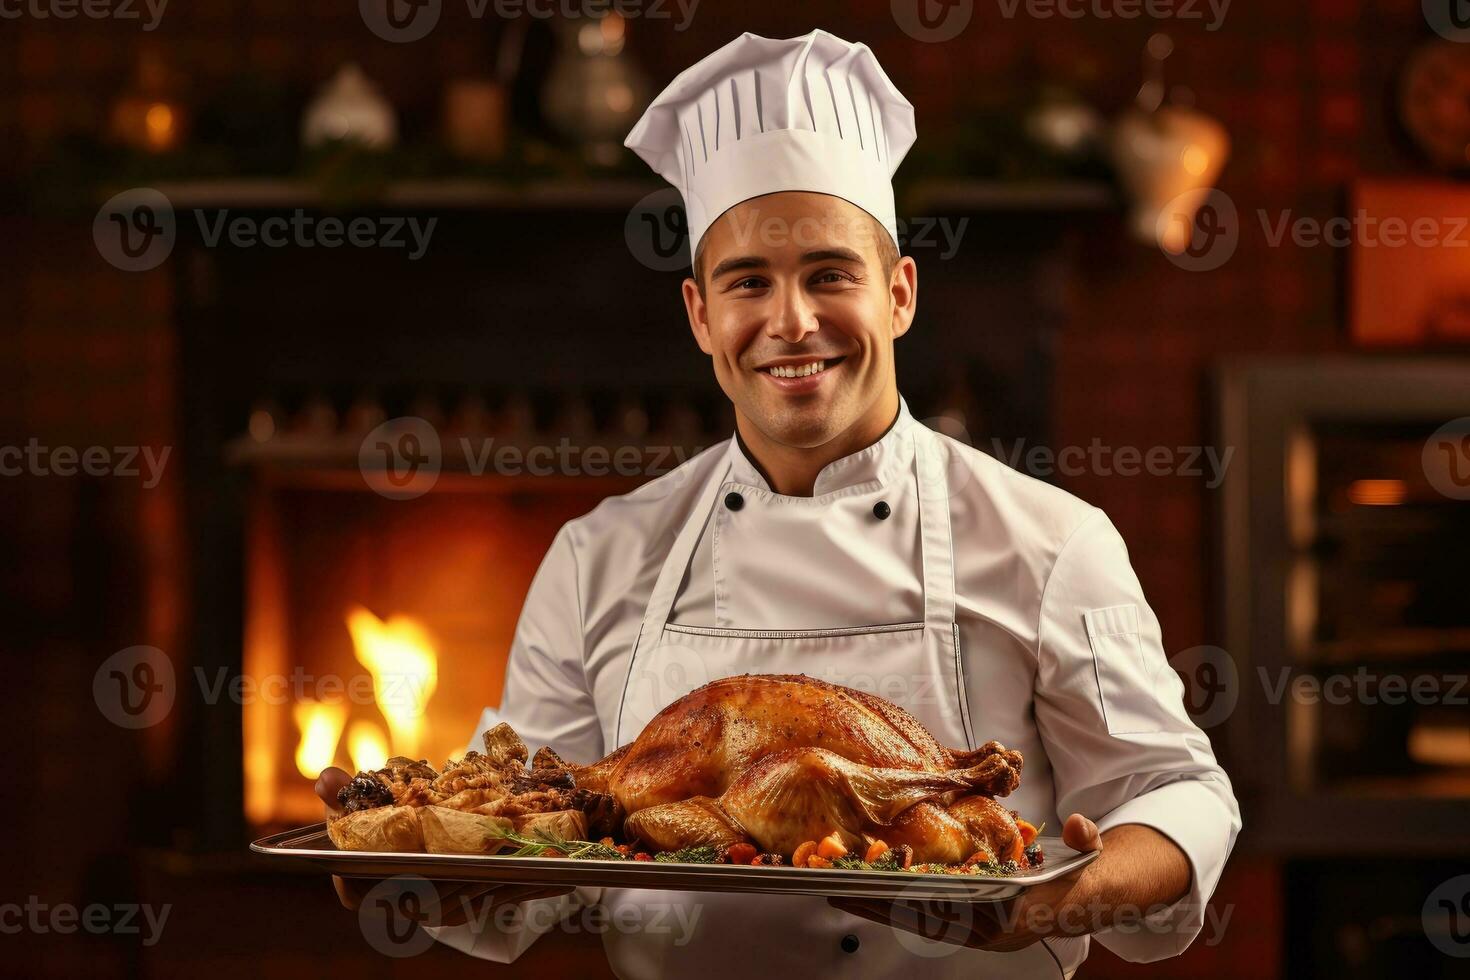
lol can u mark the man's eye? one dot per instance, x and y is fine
(751, 282)
(831, 275)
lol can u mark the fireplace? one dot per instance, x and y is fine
(376, 626)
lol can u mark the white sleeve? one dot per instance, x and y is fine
(547, 702)
(1110, 711)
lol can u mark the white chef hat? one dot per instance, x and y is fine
(761, 115)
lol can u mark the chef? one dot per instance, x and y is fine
(836, 536)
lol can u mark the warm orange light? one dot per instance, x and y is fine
(367, 746)
(321, 728)
(1195, 160)
(1377, 493)
(159, 122)
(401, 656)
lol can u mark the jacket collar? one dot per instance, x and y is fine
(874, 466)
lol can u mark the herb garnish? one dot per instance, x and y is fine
(704, 854)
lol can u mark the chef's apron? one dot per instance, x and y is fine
(915, 664)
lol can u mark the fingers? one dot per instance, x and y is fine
(1081, 834)
(329, 784)
(350, 891)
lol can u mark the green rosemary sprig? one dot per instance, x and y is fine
(537, 844)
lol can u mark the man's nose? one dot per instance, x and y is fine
(793, 318)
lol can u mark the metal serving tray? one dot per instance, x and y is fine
(310, 844)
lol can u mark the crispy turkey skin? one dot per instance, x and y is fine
(781, 759)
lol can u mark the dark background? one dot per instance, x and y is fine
(1051, 319)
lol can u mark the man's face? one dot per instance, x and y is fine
(799, 315)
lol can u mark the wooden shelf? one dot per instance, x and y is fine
(962, 195)
(447, 194)
(926, 197)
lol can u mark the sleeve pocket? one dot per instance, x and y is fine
(1125, 679)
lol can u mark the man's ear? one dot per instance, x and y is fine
(698, 315)
(903, 289)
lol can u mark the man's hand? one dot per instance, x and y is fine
(458, 901)
(1076, 904)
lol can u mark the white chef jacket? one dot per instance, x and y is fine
(1063, 658)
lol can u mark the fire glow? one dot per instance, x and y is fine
(401, 656)
(403, 660)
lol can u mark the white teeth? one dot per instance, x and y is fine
(798, 371)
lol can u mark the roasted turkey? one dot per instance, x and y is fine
(779, 760)
(773, 761)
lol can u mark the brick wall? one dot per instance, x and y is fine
(85, 350)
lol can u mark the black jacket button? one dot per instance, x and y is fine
(849, 943)
(881, 510)
(734, 501)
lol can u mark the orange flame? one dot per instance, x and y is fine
(401, 656)
(321, 728)
(367, 746)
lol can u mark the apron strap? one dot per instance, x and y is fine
(935, 541)
(671, 575)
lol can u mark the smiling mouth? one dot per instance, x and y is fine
(804, 369)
